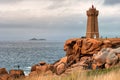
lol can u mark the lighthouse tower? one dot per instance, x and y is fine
(92, 23)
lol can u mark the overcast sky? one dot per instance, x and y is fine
(55, 19)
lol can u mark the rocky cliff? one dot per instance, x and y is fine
(84, 54)
(81, 54)
(84, 51)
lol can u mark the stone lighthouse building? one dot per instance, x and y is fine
(92, 23)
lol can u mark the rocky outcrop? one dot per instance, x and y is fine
(60, 66)
(16, 73)
(3, 71)
(3, 74)
(82, 50)
(107, 56)
(41, 68)
(77, 48)
(86, 46)
(82, 54)
(13, 74)
(5, 77)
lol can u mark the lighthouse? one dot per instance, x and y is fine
(92, 23)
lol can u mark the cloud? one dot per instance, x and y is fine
(112, 2)
(9, 1)
(51, 18)
(43, 8)
(26, 10)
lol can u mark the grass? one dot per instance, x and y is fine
(104, 74)
(102, 71)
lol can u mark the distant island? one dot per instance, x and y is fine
(35, 39)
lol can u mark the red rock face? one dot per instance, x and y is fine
(80, 53)
(86, 46)
(3, 71)
(13, 74)
(60, 68)
(90, 46)
(41, 68)
(77, 48)
(4, 74)
(62, 60)
(34, 67)
(4, 77)
(16, 73)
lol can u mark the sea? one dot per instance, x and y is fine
(27, 53)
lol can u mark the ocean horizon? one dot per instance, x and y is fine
(27, 53)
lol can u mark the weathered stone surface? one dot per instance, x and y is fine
(83, 64)
(85, 46)
(94, 66)
(3, 71)
(69, 43)
(4, 77)
(62, 60)
(107, 44)
(60, 68)
(42, 69)
(16, 73)
(107, 56)
(82, 46)
(86, 62)
(4, 74)
(33, 73)
(49, 72)
(77, 48)
(115, 42)
(100, 58)
(33, 68)
(42, 63)
(82, 53)
(90, 46)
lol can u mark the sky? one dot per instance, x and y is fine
(55, 19)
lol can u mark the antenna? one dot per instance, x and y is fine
(93, 3)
